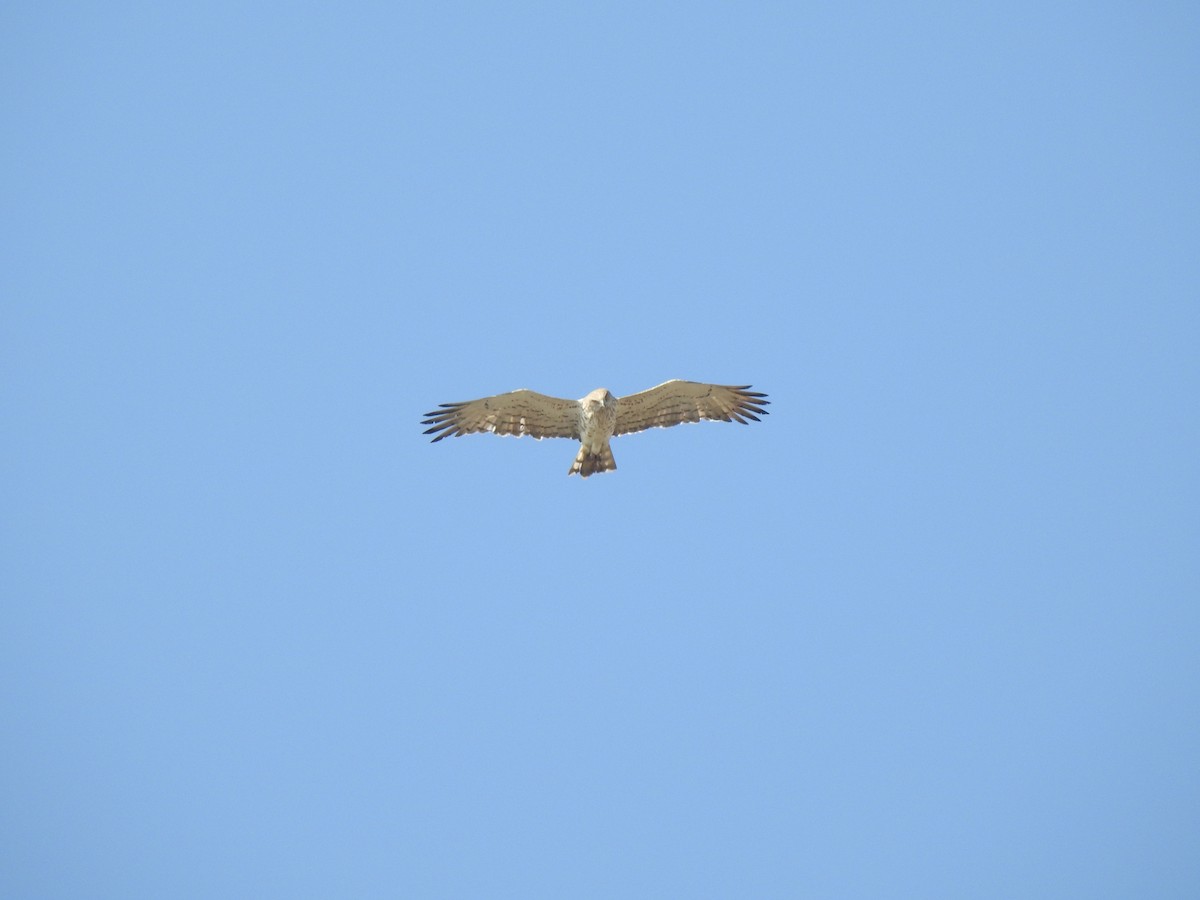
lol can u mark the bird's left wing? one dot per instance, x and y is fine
(677, 401)
(517, 412)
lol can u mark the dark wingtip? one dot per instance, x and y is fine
(444, 409)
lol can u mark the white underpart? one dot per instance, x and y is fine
(597, 419)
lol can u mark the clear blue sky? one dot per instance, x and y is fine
(930, 630)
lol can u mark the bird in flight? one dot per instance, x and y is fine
(597, 417)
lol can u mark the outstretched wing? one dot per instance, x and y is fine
(518, 412)
(688, 401)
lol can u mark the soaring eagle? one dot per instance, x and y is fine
(597, 417)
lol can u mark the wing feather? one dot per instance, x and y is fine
(517, 412)
(674, 402)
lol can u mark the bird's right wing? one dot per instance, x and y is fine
(518, 412)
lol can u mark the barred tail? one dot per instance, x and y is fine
(588, 462)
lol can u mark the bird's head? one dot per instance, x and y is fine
(599, 398)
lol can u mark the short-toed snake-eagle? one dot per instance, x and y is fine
(597, 417)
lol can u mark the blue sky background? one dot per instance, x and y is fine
(929, 630)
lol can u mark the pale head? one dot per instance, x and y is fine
(598, 399)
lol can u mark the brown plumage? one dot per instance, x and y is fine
(597, 417)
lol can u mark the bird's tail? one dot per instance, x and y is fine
(589, 462)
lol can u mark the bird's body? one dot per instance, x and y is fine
(597, 420)
(598, 417)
